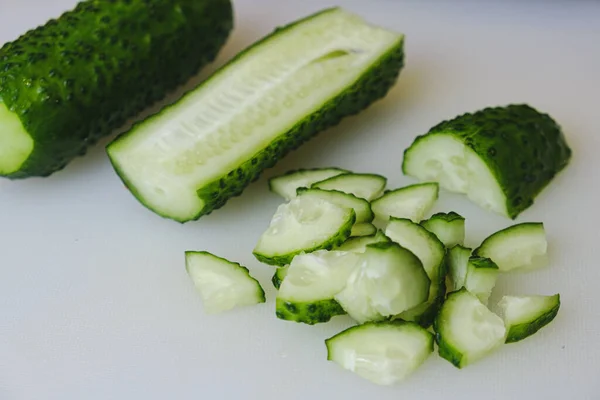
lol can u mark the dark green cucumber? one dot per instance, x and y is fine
(501, 157)
(75, 79)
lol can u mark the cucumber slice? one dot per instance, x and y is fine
(501, 157)
(448, 227)
(222, 284)
(363, 229)
(286, 185)
(388, 281)
(194, 155)
(279, 276)
(458, 262)
(304, 224)
(359, 244)
(466, 330)
(525, 315)
(411, 202)
(307, 292)
(382, 352)
(361, 207)
(482, 274)
(366, 186)
(521, 246)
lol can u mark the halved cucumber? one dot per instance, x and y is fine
(363, 229)
(279, 276)
(458, 263)
(366, 186)
(411, 202)
(359, 244)
(521, 246)
(525, 315)
(286, 185)
(222, 284)
(361, 207)
(448, 227)
(382, 352)
(482, 274)
(194, 155)
(304, 224)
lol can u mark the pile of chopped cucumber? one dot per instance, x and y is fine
(408, 284)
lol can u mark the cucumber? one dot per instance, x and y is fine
(307, 293)
(66, 84)
(382, 352)
(526, 315)
(287, 185)
(411, 202)
(363, 229)
(518, 247)
(194, 155)
(361, 207)
(458, 263)
(389, 280)
(359, 244)
(279, 276)
(222, 284)
(448, 227)
(303, 225)
(500, 157)
(466, 330)
(366, 186)
(482, 274)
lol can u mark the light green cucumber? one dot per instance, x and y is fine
(482, 274)
(365, 186)
(448, 227)
(363, 229)
(411, 202)
(526, 315)
(287, 185)
(359, 244)
(361, 207)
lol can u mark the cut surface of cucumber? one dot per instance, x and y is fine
(521, 246)
(194, 155)
(15, 143)
(466, 330)
(363, 229)
(526, 315)
(304, 224)
(458, 262)
(482, 274)
(222, 284)
(411, 202)
(361, 207)
(286, 185)
(448, 227)
(365, 186)
(359, 244)
(384, 353)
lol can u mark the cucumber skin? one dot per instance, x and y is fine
(91, 69)
(308, 313)
(494, 132)
(522, 331)
(279, 276)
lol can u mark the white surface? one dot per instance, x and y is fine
(94, 299)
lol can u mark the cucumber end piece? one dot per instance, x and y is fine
(526, 315)
(16, 145)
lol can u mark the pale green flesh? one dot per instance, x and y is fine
(359, 244)
(411, 202)
(244, 107)
(481, 281)
(450, 233)
(287, 185)
(519, 310)
(15, 143)
(360, 206)
(363, 229)
(365, 186)
(458, 261)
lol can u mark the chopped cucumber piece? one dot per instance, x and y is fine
(366, 186)
(448, 227)
(363, 229)
(194, 155)
(501, 157)
(307, 292)
(411, 202)
(359, 244)
(466, 330)
(304, 224)
(279, 276)
(222, 284)
(389, 280)
(482, 274)
(361, 207)
(286, 185)
(458, 262)
(382, 352)
(525, 315)
(521, 246)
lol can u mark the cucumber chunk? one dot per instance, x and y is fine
(458, 262)
(222, 284)
(500, 157)
(286, 185)
(521, 246)
(359, 244)
(363, 229)
(196, 154)
(303, 225)
(526, 315)
(448, 227)
(307, 292)
(384, 353)
(482, 274)
(466, 330)
(279, 276)
(388, 281)
(361, 207)
(366, 186)
(411, 202)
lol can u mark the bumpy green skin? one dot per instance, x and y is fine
(81, 76)
(445, 221)
(519, 332)
(308, 313)
(279, 276)
(448, 217)
(523, 148)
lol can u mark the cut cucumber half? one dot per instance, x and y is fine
(448, 227)
(365, 186)
(482, 274)
(411, 202)
(222, 284)
(521, 246)
(363, 229)
(361, 207)
(384, 353)
(388, 281)
(306, 294)
(359, 244)
(287, 185)
(466, 330)
(501, 157)
(279, 276)
(526, 315)
(458, 262)
(194, 155)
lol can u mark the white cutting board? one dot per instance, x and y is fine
(94, 299)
